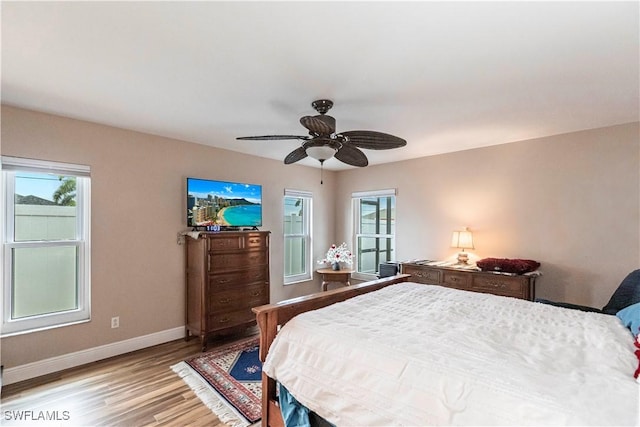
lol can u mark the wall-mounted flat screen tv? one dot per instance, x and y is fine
(223, 203)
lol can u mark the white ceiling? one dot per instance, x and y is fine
(445, 76)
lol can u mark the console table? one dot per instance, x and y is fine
(509, 285)
(339, 276)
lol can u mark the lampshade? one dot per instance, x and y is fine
(321, 152)
(462, 239)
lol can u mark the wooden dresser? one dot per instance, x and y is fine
(517, 286)
(227, 273)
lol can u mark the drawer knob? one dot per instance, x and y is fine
(256, 293)
(224, 301)
(224, 320)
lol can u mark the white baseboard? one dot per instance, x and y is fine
(66, 361)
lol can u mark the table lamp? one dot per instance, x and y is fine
(462, 239)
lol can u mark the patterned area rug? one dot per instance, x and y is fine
(228, 381)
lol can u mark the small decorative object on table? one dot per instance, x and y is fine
(336, 255)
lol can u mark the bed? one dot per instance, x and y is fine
(394, 352)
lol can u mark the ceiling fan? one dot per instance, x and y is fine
(323, 142)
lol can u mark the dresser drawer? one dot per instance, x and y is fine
(236, 299)
(422, 275)
(237, 278)
(218, 321)
(236, 260)
(224, 243)
(501, 285)
(255, 241)
(456, 280)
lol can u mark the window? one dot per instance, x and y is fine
(46, 246)
(375, 228)
(297, 236)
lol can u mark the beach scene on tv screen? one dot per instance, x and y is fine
(228, 204)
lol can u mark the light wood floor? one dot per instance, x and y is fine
(134, 389)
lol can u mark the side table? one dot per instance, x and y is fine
(337, 276)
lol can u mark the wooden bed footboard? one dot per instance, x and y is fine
(272, 316)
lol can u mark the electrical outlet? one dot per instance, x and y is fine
(115, 322)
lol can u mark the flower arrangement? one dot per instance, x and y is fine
(338, 254)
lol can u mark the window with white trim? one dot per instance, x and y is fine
(375, 228)
(46, 244)
(297, 236)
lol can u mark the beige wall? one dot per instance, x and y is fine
(138, 207)
(570, 201)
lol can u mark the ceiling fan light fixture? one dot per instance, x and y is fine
(321, 152)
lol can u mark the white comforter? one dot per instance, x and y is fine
(413, 354)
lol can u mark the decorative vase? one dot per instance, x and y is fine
(335, 266)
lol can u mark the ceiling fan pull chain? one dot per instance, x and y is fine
(321, 170)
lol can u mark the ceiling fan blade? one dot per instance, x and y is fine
(271, 137)
(297, 154)
(321, 124)
(351, 155)
(372, 140)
